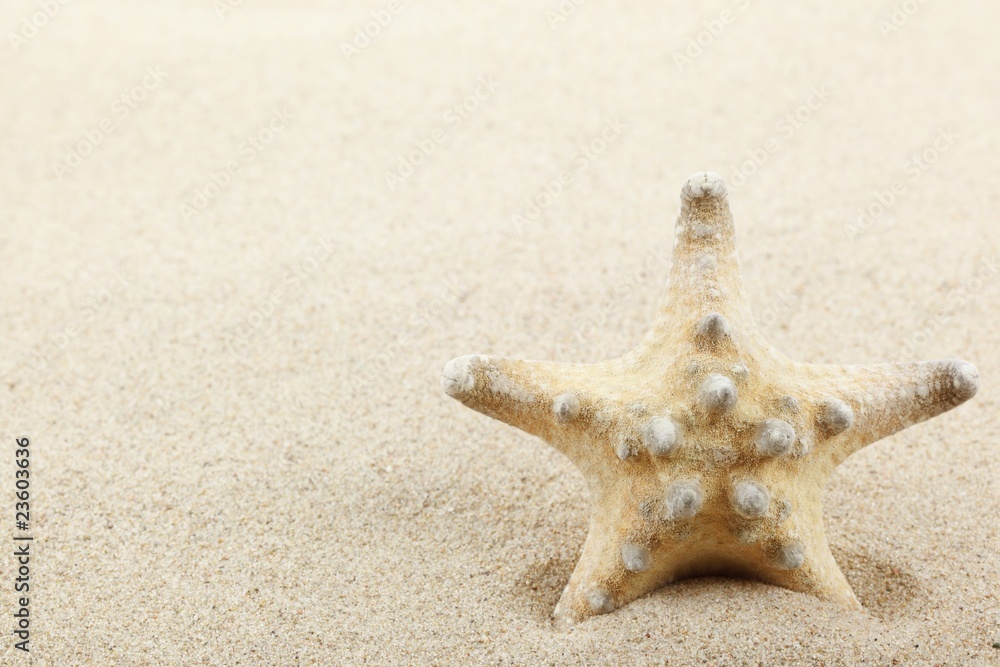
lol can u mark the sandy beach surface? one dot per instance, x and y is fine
(241, 239)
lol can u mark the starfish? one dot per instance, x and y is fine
(705, 450)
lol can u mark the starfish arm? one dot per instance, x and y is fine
(612, 571)
(545, 399)
(705, 273)
(793, 552)
(854, 406)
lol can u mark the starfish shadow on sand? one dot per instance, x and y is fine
(886, 587)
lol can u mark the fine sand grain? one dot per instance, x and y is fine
(224, 323)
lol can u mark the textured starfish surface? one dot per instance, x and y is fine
(705, 450)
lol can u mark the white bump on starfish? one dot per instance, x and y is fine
(636, 557)
(717, 394)
(566, 407)
(751, 499)
(457, 379)
(600, 601)
(774, 437)
(627, 446)
(835, 416)
(705, 263)
(791, 556)
(964, 380)
(703, 184)
(688, 504)
(712, 329)
(684, 499)
(806, 443)
(790, 403)
(661, 436)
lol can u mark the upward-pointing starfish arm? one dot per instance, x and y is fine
(706, 267)
(704, 281)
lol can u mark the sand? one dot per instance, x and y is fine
(236, 256)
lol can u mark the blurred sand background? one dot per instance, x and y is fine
(224, 325)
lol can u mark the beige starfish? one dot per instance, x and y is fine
(705, 450)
